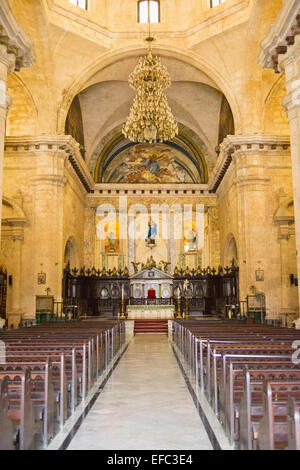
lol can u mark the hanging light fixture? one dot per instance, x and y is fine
(150, 118)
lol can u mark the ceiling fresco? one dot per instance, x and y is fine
(156, 163)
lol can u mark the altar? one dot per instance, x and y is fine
(151, 295)
(153, 312)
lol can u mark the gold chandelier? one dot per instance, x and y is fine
(150, 118)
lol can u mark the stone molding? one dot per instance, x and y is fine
(64, 144)
(210, 18)
(281, 35)
(235, 145)
(13, 36)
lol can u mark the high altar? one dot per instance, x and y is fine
(152, 294)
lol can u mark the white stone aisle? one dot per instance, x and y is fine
(144, 405)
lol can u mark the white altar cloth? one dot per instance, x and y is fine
(157, 312)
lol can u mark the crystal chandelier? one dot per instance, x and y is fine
(150, 118)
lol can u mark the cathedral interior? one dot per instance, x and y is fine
(202, 220)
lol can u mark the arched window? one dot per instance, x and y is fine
(215, 3)
(79, 3)
(148, 11)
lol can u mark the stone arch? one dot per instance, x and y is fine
(22, 116)
(11, 211)
(275, 119)
(231, 251)
(107, 59)
(71, 253)
(285, 212)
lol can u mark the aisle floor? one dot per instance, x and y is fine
(144, 405)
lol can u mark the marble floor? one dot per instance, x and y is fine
(145, 404)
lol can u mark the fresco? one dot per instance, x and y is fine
(150, 164)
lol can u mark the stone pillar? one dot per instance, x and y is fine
(257, 160)
(48, 232)
(14, 306)
(253, 236)
(6, 65)
(284, 235)
(131, 250)
(16, 51)
(291, 65)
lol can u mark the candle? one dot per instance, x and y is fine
(178, 293)
(122, 292)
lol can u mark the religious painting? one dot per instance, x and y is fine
(112, 237)
(41, 278)
(156, 163)
(259, 274)
(190, 236)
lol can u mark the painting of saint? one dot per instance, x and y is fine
(144, 163)
(112, 237)
(190, 236)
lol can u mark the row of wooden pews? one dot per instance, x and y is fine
(47, 372)
(250, 377)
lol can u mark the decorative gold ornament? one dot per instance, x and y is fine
(150, 119)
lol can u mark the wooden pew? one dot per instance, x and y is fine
(293, 424)
(56, 375)
(273, 427)
(20, 410)
(6, 425)
(245, 401)
(77, 353)
(42, 397)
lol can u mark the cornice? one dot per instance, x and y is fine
(233, 144)
(281, 35)
(13, 36)
(53, 143)
(210, 18)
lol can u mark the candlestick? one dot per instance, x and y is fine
(186, 315)
(178, 317)
(122, 316)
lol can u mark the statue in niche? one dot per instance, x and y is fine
(112, 241)
(191, 239)
(112, 237)
(152, 231)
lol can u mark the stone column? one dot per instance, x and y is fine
(253, 236)
(284, 235)
(131, 249)
(172, 245)
(291, 65)
(6, 65)
(14, 307)
(16, 51)
(48, 232)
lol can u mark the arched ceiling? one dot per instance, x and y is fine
(185, 162)
(195, 100)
